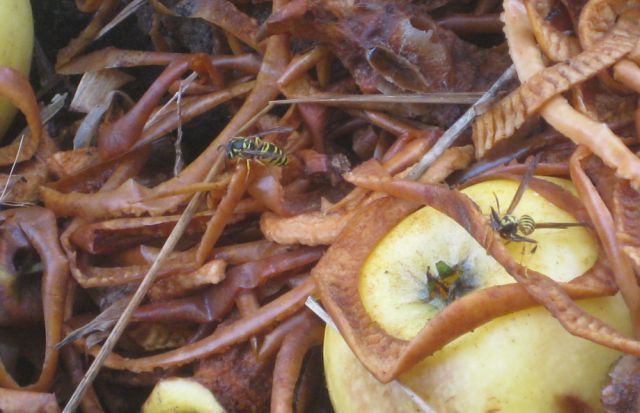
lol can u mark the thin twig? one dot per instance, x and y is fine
(478, 100)
(255, 118)
(13, 167)
(426, 98)
(460, 125)
(455, 98)
(57, 103)
(179, 162)
(187, 82)
(146, 283)
(315, 306)
(128, 10)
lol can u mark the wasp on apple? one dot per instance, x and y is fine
(513, 228)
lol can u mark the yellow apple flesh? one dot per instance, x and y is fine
(523, 362)
(16, 46)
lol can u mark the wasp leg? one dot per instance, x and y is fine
(520, 238)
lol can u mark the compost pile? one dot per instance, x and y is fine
(92, 194)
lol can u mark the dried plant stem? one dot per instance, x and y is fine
(57, 103)
(124, 13)
(179, 162)
(447, 139)
(426, 98)
(13, 167)
(146, 283)
(453, 98)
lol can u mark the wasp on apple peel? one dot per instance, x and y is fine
(513, 228)
(254, 148)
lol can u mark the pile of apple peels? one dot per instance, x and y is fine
(147, 162)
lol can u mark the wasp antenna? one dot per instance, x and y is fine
(497, 202)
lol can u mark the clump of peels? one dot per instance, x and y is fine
(386, 357)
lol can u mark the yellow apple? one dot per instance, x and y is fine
(16, 46)
(522, 362)
(178, 395)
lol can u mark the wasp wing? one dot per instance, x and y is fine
(524, 182)
(279, 130)
(560, 225)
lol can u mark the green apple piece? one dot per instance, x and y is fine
(16, 46)
(178, 395)
(522, 362)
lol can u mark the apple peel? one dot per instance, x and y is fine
(597, 17)
(627, 219)
(27, 401)
(322, 228)
(16, 87)
(289, 362)
(604, 225)
(131, 199)
(505, 117)
(597, 136)
(103, 13)
(221, 339)
(385, 356)
(38, 227)
(311, 228)
(557, 45)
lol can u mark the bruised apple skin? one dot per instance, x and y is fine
(522, 362)
(16, 46)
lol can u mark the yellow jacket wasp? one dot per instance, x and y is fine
(255, 148)
(513, 228)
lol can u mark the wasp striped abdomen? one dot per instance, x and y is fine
(272, 154)
(526, 224)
